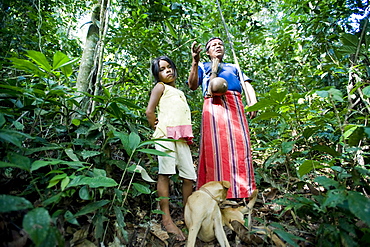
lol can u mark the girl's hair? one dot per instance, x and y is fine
(155, 66)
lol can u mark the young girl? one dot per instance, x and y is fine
(174, 122)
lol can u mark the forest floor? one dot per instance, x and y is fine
(153, 234)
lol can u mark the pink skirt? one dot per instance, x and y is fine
(225, 151)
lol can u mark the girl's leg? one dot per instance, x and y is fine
(163, 188)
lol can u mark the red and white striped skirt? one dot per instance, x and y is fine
(225, 150)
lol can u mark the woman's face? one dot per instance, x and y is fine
(166, 72)
(216, 49)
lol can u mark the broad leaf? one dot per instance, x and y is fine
(10, 203)
(327, 182)
(366, 91)
(309, 165)
(134, 141)
(92, 207)
(326, 149)
(359, 206)
(37, 223)
(142, 188)
(11, 137)
(28, 66)
(87, 154)
(59, 59)
(286, 147)
(267, 116)
(40, 59)
(71, 154)
(154, 152)
(94, 182)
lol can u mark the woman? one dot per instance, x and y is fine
(225, 151)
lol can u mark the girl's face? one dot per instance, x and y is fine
(166, 72)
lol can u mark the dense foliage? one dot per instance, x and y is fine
(63, 166)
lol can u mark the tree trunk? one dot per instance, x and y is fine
(88, 67)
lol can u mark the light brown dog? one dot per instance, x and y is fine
(203, 214)
(229, 214)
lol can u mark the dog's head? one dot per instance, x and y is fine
(226, 185)
(218, 188)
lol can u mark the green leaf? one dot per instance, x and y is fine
(127, 102)
(94, 182)
(154, 152)
(124, 137)
(59, 59)
(349, 131)
(170, 27)
(322, 94)
(76, 122)
(134, 141)
(42, 163)
(142, 188)
(336, 94)
(21, 166)
(366, 91)
(334, 198)
(40, 149)
(84, 193)
(37, 223)
(87, 154)
(11, 137)
(367, 131)
(260, 105)
(118, 194)
(99, 220)
(99, 172)
(28, 66)
(326, 182)
(308, 165)
(68, 216)
(40, 59)
(10, 203)
(349, 39)
(55, 180)
(120, 219)
(308, 132)
(267, 116)
(286, 147)
(71, 154)
(326, 149)
(91, 207)
(157, 211)
(359, 205)
(288, 237)
(53, 199)
(64, 183)
(2, 120)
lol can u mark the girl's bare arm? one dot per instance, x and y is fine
(155, 96)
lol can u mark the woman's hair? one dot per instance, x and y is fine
(213, 38)
(155, 66)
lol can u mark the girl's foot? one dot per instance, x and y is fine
(172, 228)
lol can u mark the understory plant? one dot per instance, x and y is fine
(63, 167)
